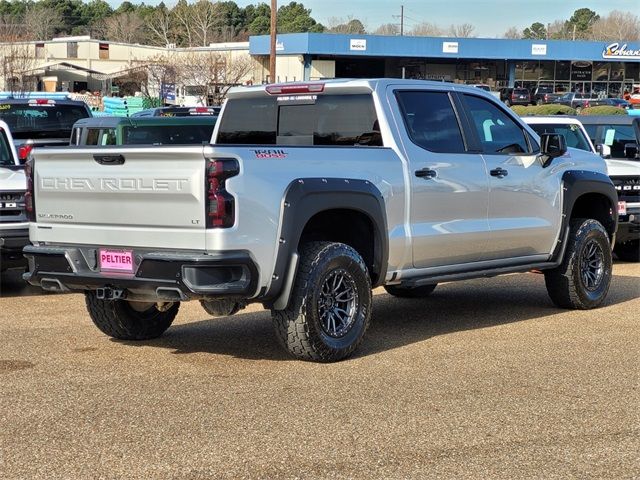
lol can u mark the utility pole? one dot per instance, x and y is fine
(272, 51)
(401, 17)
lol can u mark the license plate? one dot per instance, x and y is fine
(622, 208)
(116, 260)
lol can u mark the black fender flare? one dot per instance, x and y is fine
(577, 183)
(306, 197)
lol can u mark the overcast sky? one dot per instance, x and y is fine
(491, 18)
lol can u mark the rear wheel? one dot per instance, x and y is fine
(582, 280)
(130, 320)
(628, 251)
(330, 305)
(406, 292)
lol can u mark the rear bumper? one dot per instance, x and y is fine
(172, 276)
(11, 244)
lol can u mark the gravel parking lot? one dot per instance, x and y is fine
(484, 379)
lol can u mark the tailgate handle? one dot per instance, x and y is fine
(109, 159)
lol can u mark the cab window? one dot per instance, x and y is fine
(498, 132)
(431, 121)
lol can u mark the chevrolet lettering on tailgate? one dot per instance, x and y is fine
(114, 184)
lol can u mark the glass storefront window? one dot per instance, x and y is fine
(599, 89)
(547, 70)
(600, 71)
(632, 71)
(615, 89)
(563, 70)
(617, 72)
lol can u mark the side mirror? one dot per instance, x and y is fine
(603, 150)
(631, 150)
(552, 145)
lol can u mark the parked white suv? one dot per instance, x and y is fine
(14, 227)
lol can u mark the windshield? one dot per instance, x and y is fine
(6, 157)
(572, 134)
(25, 118)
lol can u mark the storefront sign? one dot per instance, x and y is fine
(449, 47)
(581, 71)
(617, 50)
(359, 45)
(538, 49)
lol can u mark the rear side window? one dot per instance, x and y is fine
(497, 132)
(431, 121)
(338, 120)
(167, 135)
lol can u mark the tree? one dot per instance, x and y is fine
(42, 22)
(512, 33)
(557, 30)
(465, 30)
(214, 72)
(581, 22)
(182, 14)
(349, 26)
(536, 31)
(204, 18)
(17, 58)
(125, 27)
(294, 18)
(617, 26)
(161, 26)
(387, 29)
(426, 29)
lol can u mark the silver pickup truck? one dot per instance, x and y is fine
(309, 196)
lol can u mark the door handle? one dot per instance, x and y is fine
(499, 172)
(426, 173)
(109, 159)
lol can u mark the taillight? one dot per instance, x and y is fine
(295, 88)
(24, 151)
(29, 198)
(220, 205)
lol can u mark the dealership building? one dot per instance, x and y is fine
(609, 67)
(606, 68)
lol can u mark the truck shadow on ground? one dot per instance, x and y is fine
(396, 322)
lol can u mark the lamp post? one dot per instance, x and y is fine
(272, 51)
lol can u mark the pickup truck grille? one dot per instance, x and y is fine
(628, 188)
(12, 207)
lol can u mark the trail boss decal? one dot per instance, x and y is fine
(270, 153)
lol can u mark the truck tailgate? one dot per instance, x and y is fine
(148, 196)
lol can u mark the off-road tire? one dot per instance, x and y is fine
(628, 251)
(299, 327)
(565, 284)
(117, 319)
(405, 292)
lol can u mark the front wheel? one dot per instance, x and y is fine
(628, 251)
(582, 280)
(130, 320)
(330, 305)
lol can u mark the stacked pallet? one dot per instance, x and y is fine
(122, 107)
